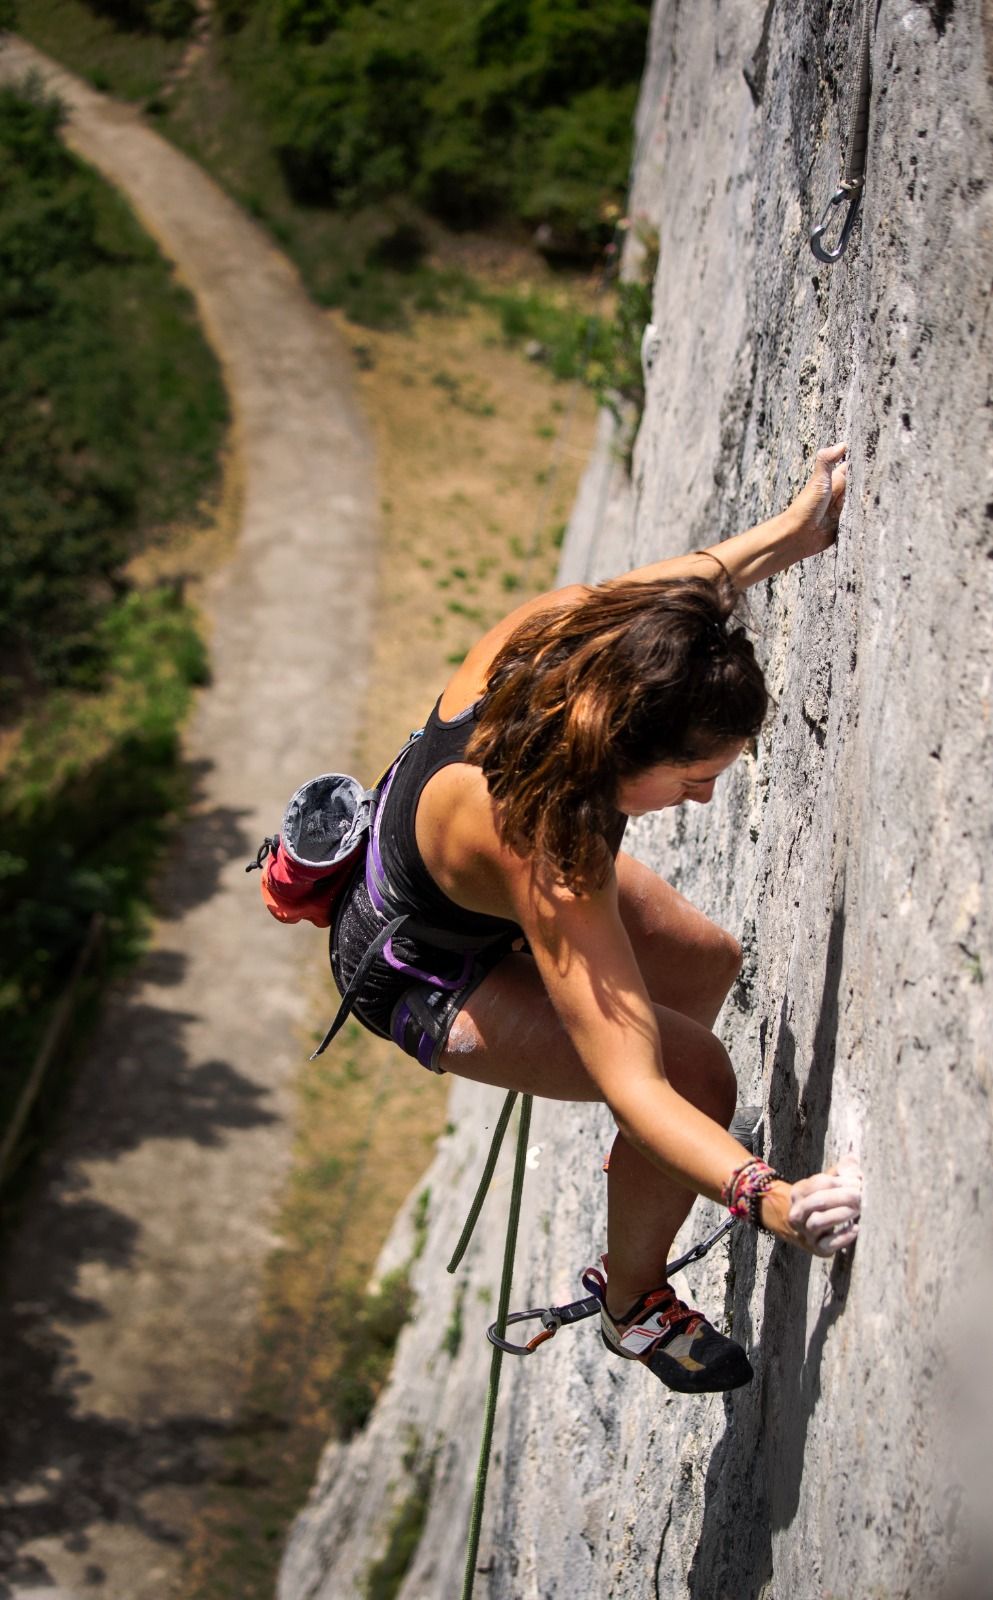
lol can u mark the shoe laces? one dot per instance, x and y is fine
(677, 1315)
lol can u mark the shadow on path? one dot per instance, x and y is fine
(61, 1468)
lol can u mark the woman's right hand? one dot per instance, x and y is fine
(817, 508)
(821, 1213)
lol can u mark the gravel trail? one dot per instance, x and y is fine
(131, 1290)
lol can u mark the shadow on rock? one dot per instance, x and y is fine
(755, 1473)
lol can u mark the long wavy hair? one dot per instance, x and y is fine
(588, 694)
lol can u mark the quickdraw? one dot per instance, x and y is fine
(852, 182)
(555, 1317)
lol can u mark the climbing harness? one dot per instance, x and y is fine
(555, 1317)
(330, 834)
(851, 187)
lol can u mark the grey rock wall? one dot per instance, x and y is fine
(852, 857)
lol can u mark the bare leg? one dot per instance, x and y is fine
(689, 964)
(508, 1034)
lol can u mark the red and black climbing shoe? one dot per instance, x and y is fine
(675, 1343)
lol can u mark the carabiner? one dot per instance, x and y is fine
(550, 1327)
(853, 195)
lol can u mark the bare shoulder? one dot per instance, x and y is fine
(460, 844)
(468, 682)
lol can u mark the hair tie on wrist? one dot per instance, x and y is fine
(743, 1191)
(711, 557)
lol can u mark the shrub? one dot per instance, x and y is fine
(515, 108)
(111, 414)
(110, 406)
(172, 19)
(83, 803)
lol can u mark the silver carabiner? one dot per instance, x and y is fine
(854, 197)
(550, 1326)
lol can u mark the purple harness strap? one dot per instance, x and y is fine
(394, 922)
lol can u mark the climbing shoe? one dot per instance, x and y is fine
(675, 1343)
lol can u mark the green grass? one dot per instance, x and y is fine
(367, 1345)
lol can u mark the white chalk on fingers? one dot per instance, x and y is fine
(832, 1243)
(833, 1218)
(803, 1205)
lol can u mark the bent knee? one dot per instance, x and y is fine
(699, 1067)
(722, 1083)
(726, 954)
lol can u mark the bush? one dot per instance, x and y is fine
(368, 1344)
(515, 108)
(581, 160)
(83, 806)
(110, 406)
(111, 411)
(347, 114)
(172, 19)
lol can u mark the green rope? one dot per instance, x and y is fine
(479, 1495)
(484, 1182)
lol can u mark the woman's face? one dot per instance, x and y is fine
(669, 784)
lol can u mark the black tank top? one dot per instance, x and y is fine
(441, 744)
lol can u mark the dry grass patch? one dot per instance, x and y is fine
(476, 483)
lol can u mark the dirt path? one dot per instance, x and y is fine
(131, 1292)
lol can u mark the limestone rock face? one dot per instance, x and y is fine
(852, 857)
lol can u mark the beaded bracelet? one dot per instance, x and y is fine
(742, 1194)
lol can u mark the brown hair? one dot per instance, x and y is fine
(590, 693)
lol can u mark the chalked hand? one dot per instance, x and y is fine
(817, 507)
(825, 1209)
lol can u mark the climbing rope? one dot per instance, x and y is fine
(484, 1182)
(852, 182)
(496, 1361)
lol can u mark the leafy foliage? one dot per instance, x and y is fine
(367, 1346)
(479, 112)
(83, 807)
(104, 386)
(111, 418)
(170, 18)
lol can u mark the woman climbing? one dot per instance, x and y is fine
(539, 956)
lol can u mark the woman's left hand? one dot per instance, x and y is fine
(817, 507)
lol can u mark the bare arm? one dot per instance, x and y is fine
(804, 529)
(592, 976)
